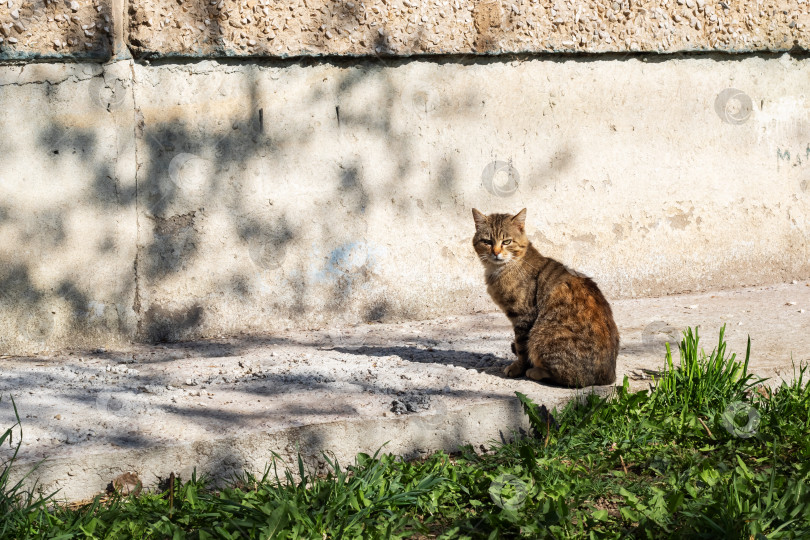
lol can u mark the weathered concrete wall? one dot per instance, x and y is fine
(174, 201)
(68, 220)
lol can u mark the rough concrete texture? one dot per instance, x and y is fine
(81, 28)
(400, 27)
(226, 405)
(44, 29)
(174, 202)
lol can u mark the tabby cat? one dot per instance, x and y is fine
(564, 329)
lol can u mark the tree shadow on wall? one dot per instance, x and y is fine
(223, 203)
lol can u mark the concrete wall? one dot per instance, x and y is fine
(160, 198)
(179, 200)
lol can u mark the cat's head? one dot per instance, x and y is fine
(500, 238)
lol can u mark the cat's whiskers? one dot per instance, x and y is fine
(522, 271)
(518, 265)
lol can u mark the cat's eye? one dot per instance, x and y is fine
(507, 242)
(486, 241)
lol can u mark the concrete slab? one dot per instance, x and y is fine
(230, 404)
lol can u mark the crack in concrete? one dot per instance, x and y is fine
(136, 303)
(72, 78)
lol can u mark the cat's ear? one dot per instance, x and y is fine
(480, 219)
(520, 219)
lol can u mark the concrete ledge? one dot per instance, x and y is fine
(225, 406)
(83, 475)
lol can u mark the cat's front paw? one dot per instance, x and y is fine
(515, 369)
(514, 348)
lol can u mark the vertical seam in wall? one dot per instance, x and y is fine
(136, 303)
(120, 47)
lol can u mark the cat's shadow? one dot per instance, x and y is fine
(488, 363)
(482, 362)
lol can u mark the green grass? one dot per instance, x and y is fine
(705, 453)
